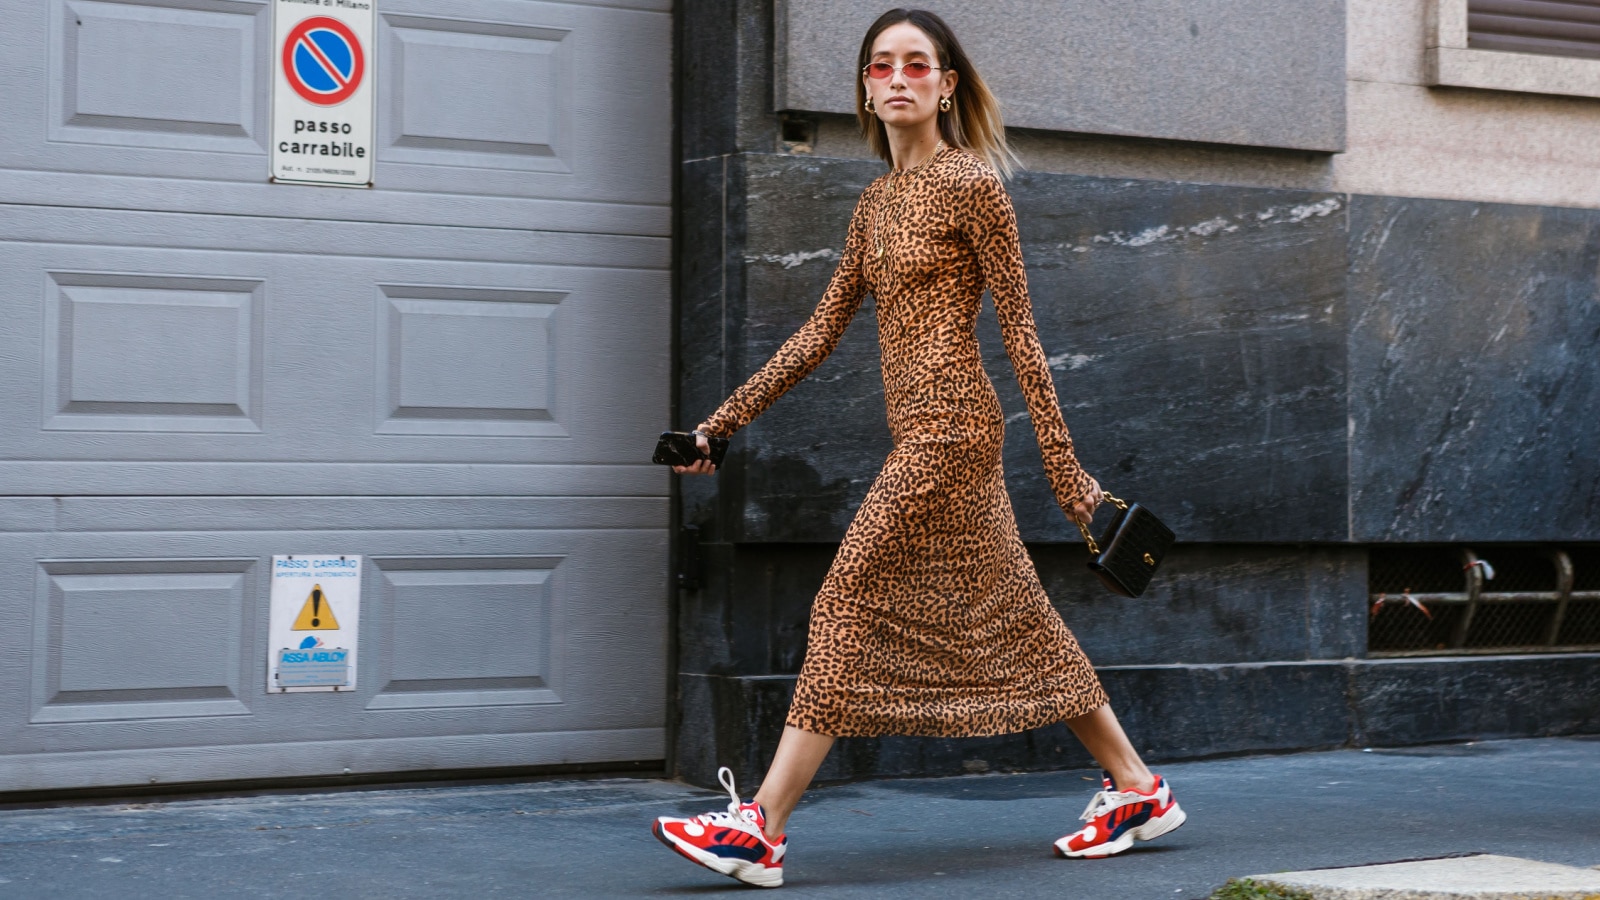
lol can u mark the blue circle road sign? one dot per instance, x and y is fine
(323, 60)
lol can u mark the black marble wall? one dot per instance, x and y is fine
(1474, 371)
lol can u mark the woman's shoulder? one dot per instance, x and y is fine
(965, 175)
(972, 186)
(961, 166)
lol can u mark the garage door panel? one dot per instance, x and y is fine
(472, 361)
(536, 217)
(232, 762)
(54, 224)
(97, 514)
(142, 479)
(521, 117)
(224, 356)
(152, 353)
(505, 660)
(128, 640)
(487, 101)
(180, 75)
(145, 640)
(552, 117)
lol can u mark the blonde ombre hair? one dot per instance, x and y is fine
(973, 122)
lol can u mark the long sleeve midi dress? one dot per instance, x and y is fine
(931, 619)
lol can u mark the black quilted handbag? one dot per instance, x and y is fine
(1134, 546)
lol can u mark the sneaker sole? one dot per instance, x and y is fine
(747, 872)
(1149, 831)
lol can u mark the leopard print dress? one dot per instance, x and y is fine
(932, 619)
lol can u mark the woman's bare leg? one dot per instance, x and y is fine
(799, 755)
(1102, 734)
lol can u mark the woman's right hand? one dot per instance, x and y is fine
(701, 466)
(1083, 510)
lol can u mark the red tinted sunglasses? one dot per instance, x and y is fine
(882, 70)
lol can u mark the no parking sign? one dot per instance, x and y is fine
(322, 94)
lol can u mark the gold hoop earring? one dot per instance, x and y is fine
(944, 104)
(869, 105)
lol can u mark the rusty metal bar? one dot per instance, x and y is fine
(1458, 637)
(1564, 589)
(1485, 597)
(1490, 651)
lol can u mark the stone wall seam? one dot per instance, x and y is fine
(723, 369)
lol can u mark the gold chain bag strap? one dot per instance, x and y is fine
(1134, 545)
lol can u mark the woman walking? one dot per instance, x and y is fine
(931, 620)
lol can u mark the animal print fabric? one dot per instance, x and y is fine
(931, 619)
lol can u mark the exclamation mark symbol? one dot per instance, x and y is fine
(316, 607)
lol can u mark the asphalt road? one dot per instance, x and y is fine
(975, 836)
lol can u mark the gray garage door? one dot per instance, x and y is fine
(449, 374)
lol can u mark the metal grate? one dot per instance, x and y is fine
(1400, 621)
(1549, 27)
(1442, 600)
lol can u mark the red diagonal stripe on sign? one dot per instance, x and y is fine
(316, 52)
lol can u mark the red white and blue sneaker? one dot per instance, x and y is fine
(1118, 818)
(732, 842)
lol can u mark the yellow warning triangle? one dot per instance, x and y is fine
(317, 614)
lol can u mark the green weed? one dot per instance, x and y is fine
(1248, 889)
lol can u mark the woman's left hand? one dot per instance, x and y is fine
(703, 465)
(1083, 510)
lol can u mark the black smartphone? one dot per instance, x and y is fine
(678, 448)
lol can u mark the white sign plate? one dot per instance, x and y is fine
(314, 624)
(323, 69)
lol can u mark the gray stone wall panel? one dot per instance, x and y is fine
(1410, 701)
(707, 58)
(724, 53)
(1216, 604)
(1196, 334)
(1474, 335)
(1249, 72)
(752, 611)
(710, 316)
(806, 463)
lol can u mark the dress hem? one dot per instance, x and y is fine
(1081, 705)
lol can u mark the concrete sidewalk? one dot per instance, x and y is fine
(1481, 877)
(977, 836)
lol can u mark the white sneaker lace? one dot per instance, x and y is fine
(735, 817)
(1105, 801)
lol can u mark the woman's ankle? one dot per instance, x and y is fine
(774, 826)
(774, 819)
(1131, 775)
(1144, 787)
(1142, 783)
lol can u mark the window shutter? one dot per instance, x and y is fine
(1554, 27)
